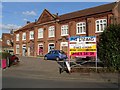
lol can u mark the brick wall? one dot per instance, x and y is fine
(45, 23)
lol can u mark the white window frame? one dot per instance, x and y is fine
(31, 33)
(24, 36)
(40, 33)
(17, 47)
(8, 42)
(81, 25)
(64, 30)
(51, 31)
(17, 37)
(100, 22)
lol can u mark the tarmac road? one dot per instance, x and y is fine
(13, 82)
(37, 73)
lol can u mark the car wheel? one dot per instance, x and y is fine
(57, 59)
(45, 58)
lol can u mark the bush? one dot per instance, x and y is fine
(109, 47)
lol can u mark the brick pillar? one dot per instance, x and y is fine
(27, 39)
(20, 42)
(35, 40)
(14, 41)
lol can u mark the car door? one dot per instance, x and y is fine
(53, 55)
(49, 55)
(56, 54)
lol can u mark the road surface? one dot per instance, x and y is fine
(37, 73)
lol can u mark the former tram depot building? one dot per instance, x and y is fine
(51, 31)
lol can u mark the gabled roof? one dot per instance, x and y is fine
(53, 16)
(89, 11)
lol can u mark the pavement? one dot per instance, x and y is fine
(32, 67)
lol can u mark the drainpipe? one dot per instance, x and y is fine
(108, 22)
(55, 34)
(86, 25)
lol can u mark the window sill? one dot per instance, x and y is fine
(40, 37)
(80, 33)
(51, 36)
(98, 31)
(64, 35)
(31, 38)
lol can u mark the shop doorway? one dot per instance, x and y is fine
(40, 49)
(51, 46)
(24, 50)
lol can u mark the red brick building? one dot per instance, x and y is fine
(7, 42)
(51, 31)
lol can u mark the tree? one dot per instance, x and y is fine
(109, 47)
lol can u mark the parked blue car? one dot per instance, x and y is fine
(55, 55)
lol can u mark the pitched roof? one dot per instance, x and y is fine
(89, 11)
(27, 26)
(8, 35)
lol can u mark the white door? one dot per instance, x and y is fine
(24, 51)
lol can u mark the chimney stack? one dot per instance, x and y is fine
(57, 14)
(28, 22)
(11, 32)
(35, 20)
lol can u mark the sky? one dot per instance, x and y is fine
(16, 14)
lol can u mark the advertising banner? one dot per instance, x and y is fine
(82, 50)
(83, 39)
(82, 46)
(83, 54)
